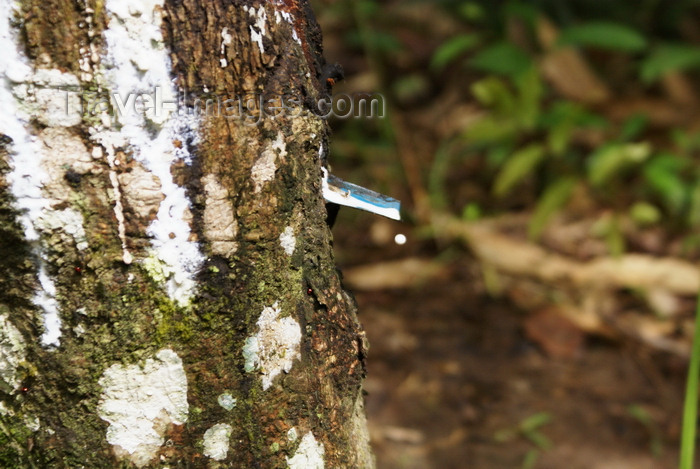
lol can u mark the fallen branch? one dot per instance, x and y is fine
(518, 257)
(586, 292)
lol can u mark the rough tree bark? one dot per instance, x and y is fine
(168, 294)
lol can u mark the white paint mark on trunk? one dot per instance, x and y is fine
(137, 64)
(140, 402)
(216, 441)
(275, 347)
(309, 454)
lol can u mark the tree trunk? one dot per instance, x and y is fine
(168, 295)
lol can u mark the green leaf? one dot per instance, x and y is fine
(496, 155)
(608, 228)
(503, 436)
(494, 93)
(490, 129)
(529, 428)
(645, 214)
(471, 212)
(436, 177)
(667, 58)
(471, 11)
(410, 86)
(645, 418)
(551, 201)
(641, 414)
(574, 112)
(633, 127)
(663, 174)
(604, 35)
(559, 137)
(687, 141)
(539, 440)
(367, 8)
(690, 405)
(502, 58)
(610, 160)
(560, 121)
(530, 91)
(614, 238)
(694, 210)
(453, 48)
(377, 41)
(383, 41)
(520, 165)
(522, 10)
(530, 459)
(668, 162)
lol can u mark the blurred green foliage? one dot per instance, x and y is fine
(603, 34)
(526, 134)
(527, 139)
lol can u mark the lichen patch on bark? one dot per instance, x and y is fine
(12, 354)
(265, 167)
(48, 95)
(288, 241)
(140, 402)
(227, 401)
(216, 441)
(309, 454)
(275, 346)
(69, 221)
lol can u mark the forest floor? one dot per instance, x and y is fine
(454, 379)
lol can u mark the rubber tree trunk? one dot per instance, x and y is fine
(168, 293)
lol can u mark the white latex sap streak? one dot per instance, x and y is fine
(137, 63)
(27, 176)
